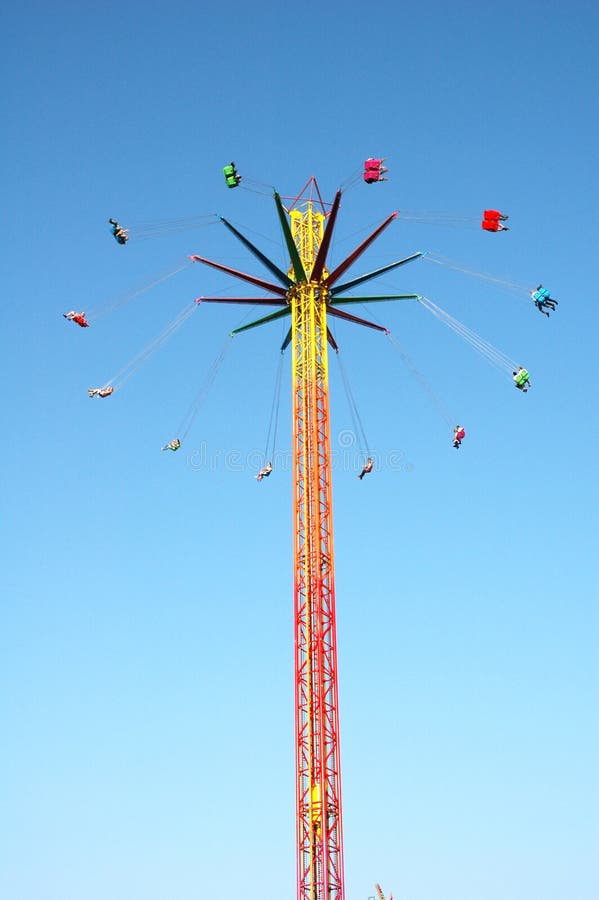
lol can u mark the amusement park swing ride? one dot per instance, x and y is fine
(308, 295)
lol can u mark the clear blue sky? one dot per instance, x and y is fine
(146, 659)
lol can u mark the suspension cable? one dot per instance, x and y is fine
(168, 226)
(103, 309)
(353, 408)
(274, 412)
(351, 181)
(257, 187)
(123, 375)
(191, 414)
(512, 286)
(432, 215)
(417, 374)
(496, 357)
(422, 381)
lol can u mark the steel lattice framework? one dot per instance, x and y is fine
(319, 832)
(308, 293)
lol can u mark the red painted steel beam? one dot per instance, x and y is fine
(350, 260)
(251, 279)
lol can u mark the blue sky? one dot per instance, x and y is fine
(147, 700)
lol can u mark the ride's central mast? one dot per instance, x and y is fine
(318, 772)
(308, 293)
